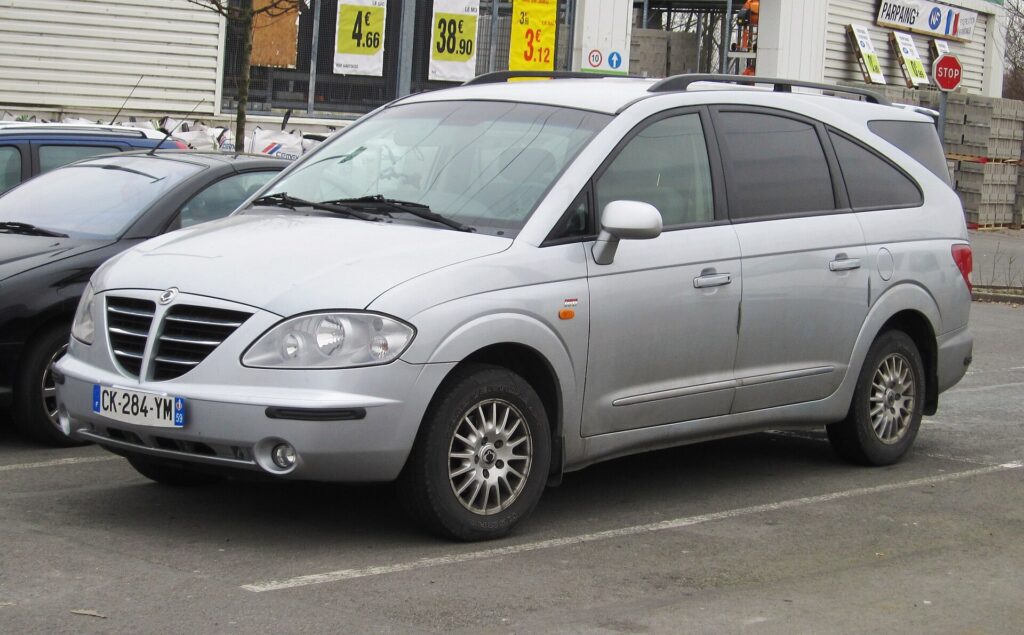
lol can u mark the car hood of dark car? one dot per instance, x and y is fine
(19, 253)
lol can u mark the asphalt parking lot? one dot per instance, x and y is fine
(768, 533)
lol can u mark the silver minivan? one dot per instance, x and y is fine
(472, 291)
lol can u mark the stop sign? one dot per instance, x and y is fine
(947, 72)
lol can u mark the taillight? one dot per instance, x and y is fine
(964, 262)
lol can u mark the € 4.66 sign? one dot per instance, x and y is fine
(453, 46)
(534, 24)
(359, 37)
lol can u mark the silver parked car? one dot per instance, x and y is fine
(475, 290)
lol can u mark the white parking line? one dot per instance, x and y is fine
(56, 462)
(677, 523)
(958, 389)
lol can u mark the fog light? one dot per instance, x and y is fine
(283, 456)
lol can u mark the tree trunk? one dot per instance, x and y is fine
(245, 25)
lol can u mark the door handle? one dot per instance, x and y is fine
(844, 264)
(712, 280)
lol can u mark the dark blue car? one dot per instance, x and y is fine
(30, 149)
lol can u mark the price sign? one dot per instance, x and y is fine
(359, 37)
(453, 47)
(864, 49)
(910, 60)
(534, 25)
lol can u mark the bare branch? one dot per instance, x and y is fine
(277, 8)
(219, 6)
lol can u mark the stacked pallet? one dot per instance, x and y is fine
(983, 135)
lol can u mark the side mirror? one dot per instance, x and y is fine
(625, 220)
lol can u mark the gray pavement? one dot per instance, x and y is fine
(768, 533)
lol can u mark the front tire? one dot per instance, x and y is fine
(35, 392)
(482, 456)
(172, 475)
(885, 414)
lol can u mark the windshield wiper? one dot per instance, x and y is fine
(11, 227)
(418, 210)
(121, 168)
(282, 199)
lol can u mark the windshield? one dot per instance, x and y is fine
(484, 164)
(95, 199)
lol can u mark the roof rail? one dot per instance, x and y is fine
(682, 83)
(500, 77)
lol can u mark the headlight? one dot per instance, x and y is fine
(330, 340)
(84, 328)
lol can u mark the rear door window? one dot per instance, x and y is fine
(221, 198)
(918, 139)
(10, 167)
(775, 165)
(55, 156)
(871, 181)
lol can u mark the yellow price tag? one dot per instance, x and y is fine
(454, 37)
(532, 44)
(874, 67)
(360, 29)
(917, 70)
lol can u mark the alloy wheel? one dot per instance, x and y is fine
(892, 398)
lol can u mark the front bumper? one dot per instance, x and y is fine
(235, 414)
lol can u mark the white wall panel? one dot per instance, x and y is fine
(72, 54)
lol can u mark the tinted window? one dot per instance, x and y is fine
(871, 181)
(775, 165)
(666, 165)
(919, 140)
(97, 199)
(221, 198)
(10, 167)
(51, 157)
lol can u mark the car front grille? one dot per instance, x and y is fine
(187, 335)
(191, 333)
(128, 322)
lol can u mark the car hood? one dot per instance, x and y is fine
(20, 253)
(289, 263)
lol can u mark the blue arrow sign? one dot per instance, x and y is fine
(614, 59)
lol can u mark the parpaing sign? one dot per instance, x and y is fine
(928, 18)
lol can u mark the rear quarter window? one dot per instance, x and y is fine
(918, 139)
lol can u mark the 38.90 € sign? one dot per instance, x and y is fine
(534, 24)
(454, 36)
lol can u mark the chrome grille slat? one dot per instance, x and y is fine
(174, 360)
(189, 340)
(206, 322)
(128, 324)
(190, 333)
(120, 311)
(128, 332)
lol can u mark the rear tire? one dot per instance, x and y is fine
(482, 456)
(167, 474)
(886, 410)
(35, 398)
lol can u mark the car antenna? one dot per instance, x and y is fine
(132, 92)
(171, 131)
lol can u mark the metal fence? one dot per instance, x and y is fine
(276, 88)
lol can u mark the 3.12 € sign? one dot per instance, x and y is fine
(534, 26)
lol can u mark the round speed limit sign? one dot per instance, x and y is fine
(595, 58)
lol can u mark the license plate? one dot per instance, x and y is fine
(140, 408)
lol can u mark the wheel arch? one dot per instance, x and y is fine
(909, 308)
(530, 349)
